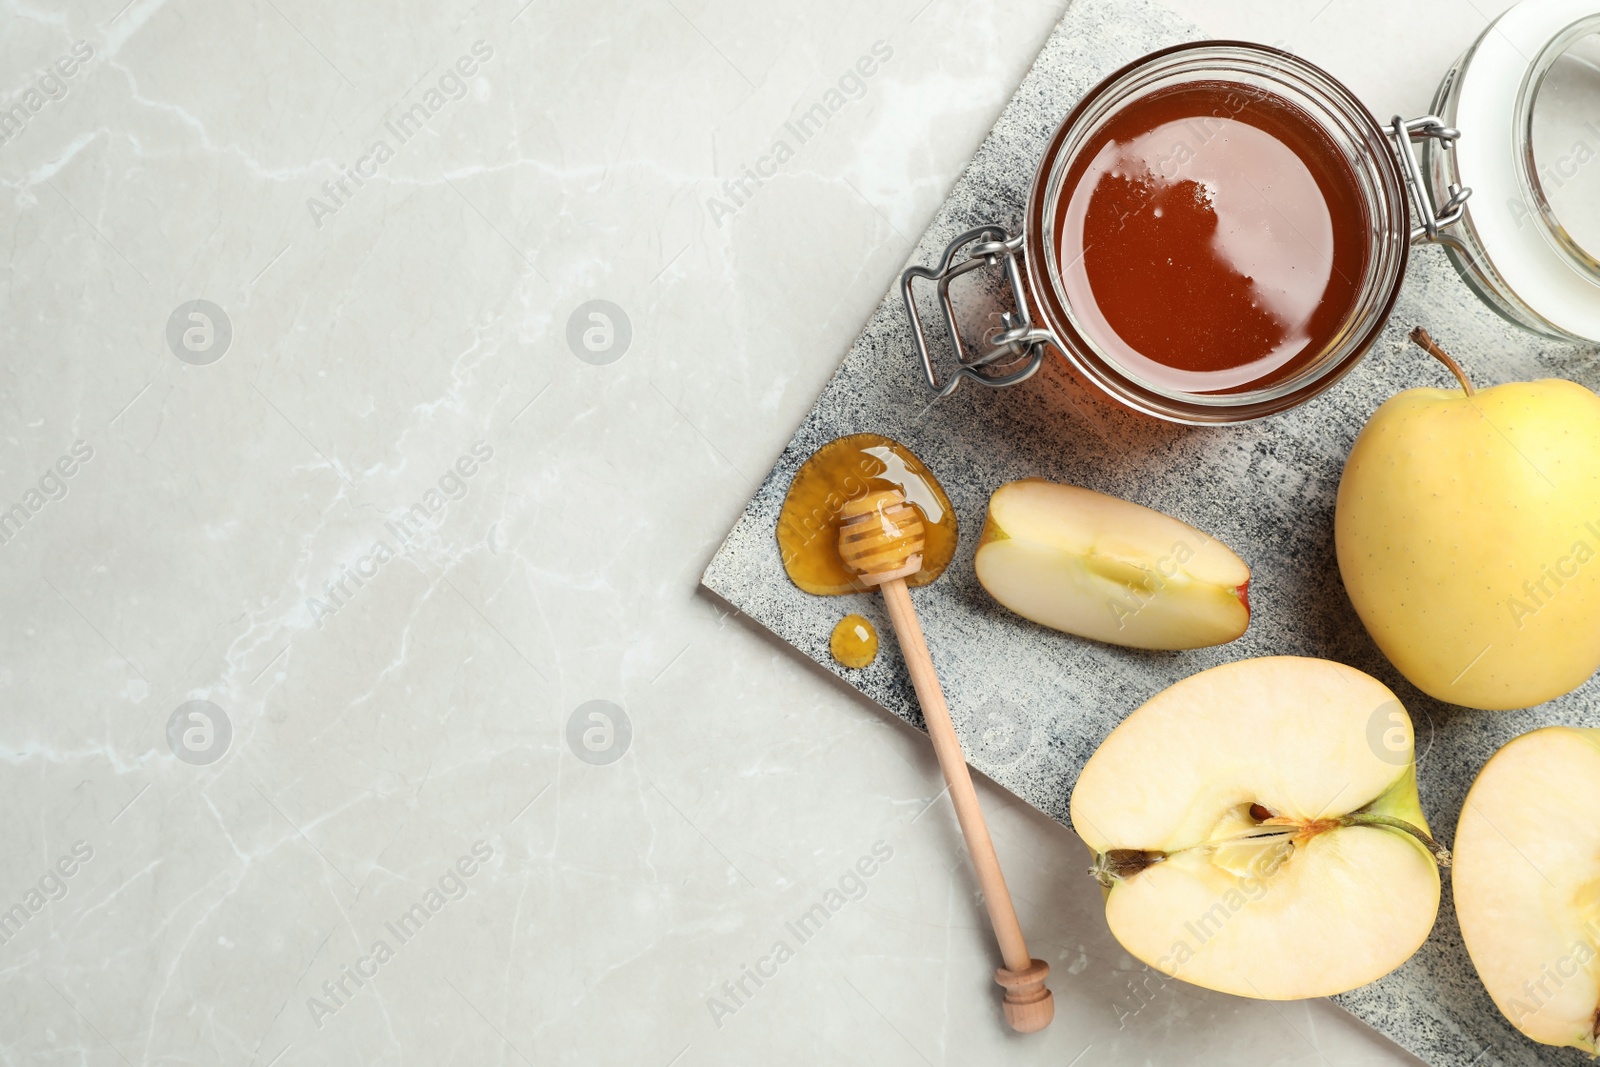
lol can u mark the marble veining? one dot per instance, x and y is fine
(376, 382)
(1033, 705)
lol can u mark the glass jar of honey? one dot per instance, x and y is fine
(1218, 231)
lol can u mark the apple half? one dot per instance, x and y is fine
(1093, 565)
(1257, 831)
(1527, 883)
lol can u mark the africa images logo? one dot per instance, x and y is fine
(420, 517)
(849, 87)
(51, 86)
(450, 87)
(52, 486)
(349, 979)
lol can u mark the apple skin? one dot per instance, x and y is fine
(1468, 537)
(1527, 883)
(1174, 802)
(1094, 565)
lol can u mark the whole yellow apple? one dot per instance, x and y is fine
(1468, 536)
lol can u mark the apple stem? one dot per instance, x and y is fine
(1441, 855)
(1421, 337)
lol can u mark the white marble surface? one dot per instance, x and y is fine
(379, 736)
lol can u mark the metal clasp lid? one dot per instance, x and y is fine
(1019, 342)
(1434, 218)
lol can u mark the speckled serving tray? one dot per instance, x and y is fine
(1032, 704)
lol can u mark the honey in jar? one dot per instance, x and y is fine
(1213, 238)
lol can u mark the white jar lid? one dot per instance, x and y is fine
(1512, 209)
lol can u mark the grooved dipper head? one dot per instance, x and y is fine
(881, 537)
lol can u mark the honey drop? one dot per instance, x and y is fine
(854, 642)
(843, 470)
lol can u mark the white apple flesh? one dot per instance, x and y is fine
(1257, 829)
(1093, 565)
(1527, 883)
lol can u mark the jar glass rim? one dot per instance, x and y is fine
(1505, 247)
(1341, 116)
(1529, 168)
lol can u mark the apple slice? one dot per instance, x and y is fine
(1099, 567)
(1527, 883)
(1257, 830)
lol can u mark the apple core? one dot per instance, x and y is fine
(1250, 839)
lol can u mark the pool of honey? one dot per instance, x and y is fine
(842, 470)
(1212, 238)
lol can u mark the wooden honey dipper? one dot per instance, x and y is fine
(881, 540)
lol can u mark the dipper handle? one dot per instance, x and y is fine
(1029, 1005)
